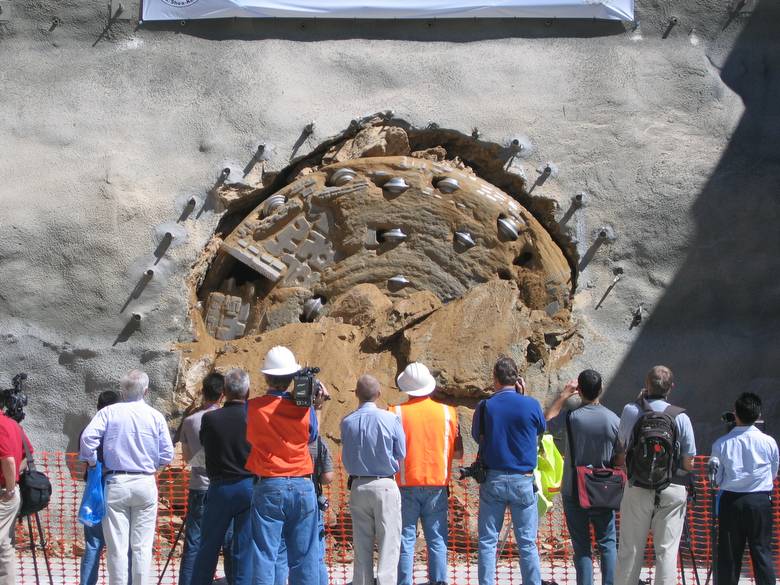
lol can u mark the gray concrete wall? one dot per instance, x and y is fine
(105, 134)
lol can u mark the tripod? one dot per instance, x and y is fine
(173, 549)
(712, 572)
(686, 543)
(33, 546)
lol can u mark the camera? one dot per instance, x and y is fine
(476, 470)
(13, 400)
(323, 503)
(305, 386)
(730, 419)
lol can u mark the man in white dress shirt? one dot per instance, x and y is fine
(136, 442)
(747, 461)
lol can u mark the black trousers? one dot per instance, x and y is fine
(745, 518)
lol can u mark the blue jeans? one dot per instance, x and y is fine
(500, 490)
(286, 508)
(226, 502)
(578, 521)
(227, 554)
(94, 542)
(429, 504)
(282, 570)
(196, 504)
(93, 548)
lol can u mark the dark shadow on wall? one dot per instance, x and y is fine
(718, 324)
(441, 30)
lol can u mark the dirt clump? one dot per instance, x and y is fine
(364, 305)
(370, 142)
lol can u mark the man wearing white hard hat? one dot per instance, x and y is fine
(284, 503)
(432, 441)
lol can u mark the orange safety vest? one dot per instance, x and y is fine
(278, 432)
(430, 428)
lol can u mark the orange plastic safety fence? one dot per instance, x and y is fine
(64, 542)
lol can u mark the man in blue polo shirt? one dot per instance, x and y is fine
(509, 440)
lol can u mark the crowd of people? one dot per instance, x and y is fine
(258, 466)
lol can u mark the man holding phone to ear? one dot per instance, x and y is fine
(509, 439)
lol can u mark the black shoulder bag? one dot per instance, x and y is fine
(595, 487)
(478, 469)
(34, 486)
(319, 463)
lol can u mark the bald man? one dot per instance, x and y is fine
(373, 446)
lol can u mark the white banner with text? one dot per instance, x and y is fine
(368, 9)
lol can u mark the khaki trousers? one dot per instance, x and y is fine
(375, 505)
(638, 516)
(8, 512)
(130, 521)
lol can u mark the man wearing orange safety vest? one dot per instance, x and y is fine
(284, 503)
(432, 441)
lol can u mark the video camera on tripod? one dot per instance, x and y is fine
(13, 400)
(34, 487)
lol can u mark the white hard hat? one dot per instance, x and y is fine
(416, 380)
(279, 361)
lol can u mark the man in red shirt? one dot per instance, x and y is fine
(12, 462)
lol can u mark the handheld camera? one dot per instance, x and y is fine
(730, 419)
(305, 386)
(476, 470)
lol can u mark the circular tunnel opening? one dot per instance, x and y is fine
(385, 247)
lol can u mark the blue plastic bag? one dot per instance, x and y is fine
(93, 503)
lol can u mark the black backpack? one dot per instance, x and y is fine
(34, 486)
(654, 455)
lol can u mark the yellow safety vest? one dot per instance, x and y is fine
(548, 474)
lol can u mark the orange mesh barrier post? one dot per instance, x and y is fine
(339, 544)
(173, 486)
(462, 525)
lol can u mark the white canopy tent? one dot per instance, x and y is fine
(402, 9)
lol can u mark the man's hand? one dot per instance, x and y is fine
(571, 388)
(520, 386)
(320, 396)
(555, 408)
(7, 495)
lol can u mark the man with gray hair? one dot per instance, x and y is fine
(229, 496)
(136, 443)
(373, 445)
